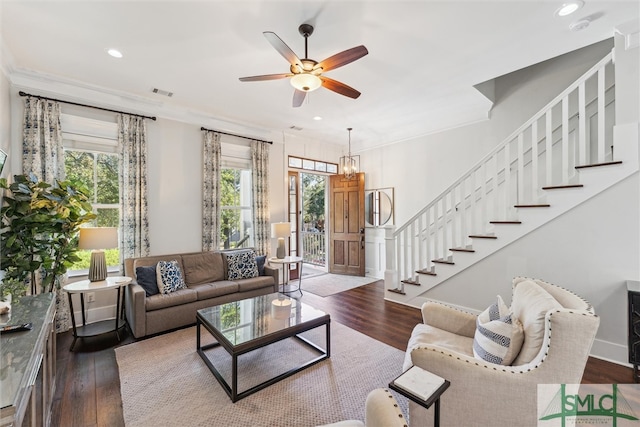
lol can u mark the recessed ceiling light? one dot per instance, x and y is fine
(569, 7)
(115, 53)
(317, 118)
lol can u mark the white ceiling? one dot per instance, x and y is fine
(424, 57)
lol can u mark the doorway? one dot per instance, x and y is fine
(307, 212)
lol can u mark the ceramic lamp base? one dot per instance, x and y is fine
(98, 266)
(280, 251)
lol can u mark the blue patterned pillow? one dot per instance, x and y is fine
(242, 265)
(499, 335)
(169, 276)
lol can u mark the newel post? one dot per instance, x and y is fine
(390, 273)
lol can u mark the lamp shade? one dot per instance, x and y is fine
(98, 238)
(280, 229)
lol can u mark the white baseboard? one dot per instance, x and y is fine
(611, 352)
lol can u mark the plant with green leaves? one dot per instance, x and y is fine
(40, 224)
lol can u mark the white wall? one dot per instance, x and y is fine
(5, 119)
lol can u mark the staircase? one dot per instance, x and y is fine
(568, 152)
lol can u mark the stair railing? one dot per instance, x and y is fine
(544, 150)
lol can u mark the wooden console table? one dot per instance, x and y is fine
(28, 363)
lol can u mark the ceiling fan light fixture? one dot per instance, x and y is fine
(306, 82)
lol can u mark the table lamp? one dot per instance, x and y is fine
(97, 239)
(280, 230)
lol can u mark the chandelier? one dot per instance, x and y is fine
(349, 164)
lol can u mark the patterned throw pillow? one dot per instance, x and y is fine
(498, 336)
(242, 265)
(169, 276)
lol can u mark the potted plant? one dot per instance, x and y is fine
(39, 238)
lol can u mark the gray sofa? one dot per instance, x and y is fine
(206, 277)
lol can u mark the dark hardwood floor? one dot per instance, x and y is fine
(88, 385)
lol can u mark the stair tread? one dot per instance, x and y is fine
(462, 250)
(427, 272)
(505, 222)
(397, 291)
(532, 206)
(595, 165)
(482, 236)
(410, 282)
(554, 187)
(443, 261)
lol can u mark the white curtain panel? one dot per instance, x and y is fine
(260, 178)
(134, 222)
(42, 155)
(211, 165)
(42, 140)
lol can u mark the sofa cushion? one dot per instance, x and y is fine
(530, 305)
(179, 297)
(250, 284)
(205, 267)
(169, 276)
(215, 289)
(146, 277)
(241, 264)
(499, 336)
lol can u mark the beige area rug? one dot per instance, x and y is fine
(329, 284)
(164, 382)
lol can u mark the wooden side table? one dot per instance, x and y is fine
(286, 262)
(104, 326)
(424, 401)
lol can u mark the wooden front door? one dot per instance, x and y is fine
(346, 198)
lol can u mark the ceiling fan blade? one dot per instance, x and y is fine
(298, 97)
(282, 48)
(342, 58)
(265, 77)
(338, 87)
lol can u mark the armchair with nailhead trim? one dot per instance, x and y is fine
(559, 328)
(381, 409)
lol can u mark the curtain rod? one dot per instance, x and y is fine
(84, 105)
(239, 136)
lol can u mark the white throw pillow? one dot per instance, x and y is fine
(169, 277)
(530, 305)
(498, 336)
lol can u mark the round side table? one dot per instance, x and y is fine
(286, 262)
(104, 326)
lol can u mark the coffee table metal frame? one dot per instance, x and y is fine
(237, 350)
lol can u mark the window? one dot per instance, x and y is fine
(98, 172)
(236, 229)
(90, 156)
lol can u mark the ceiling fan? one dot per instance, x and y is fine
(306, 74)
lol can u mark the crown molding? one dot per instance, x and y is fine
(77, 91)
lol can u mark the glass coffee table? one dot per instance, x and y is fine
(243, 326)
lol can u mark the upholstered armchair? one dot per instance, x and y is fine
(381, 410)
(558, 328)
